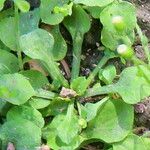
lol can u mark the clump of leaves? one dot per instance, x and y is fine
(42, 105)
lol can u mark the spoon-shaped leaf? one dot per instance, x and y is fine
(124, 10)
(119, 21)
(131, 142)
(60, 47)
(29, 21)
(132, 86)
(77, 24)
(15, 88)
(26, 112)
(47, 11)
(71, 125)
(111, 40)
(51, 135)
(108, 125)
(24, 134)
(36, 78)
(38, 44)
(23, 5)
(8, 62)
(8, 38)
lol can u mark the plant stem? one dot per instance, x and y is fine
(102, 62)
(77, 46)
(144, 42)
(17, 38)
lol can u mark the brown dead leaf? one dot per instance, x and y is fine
(67, 93)
(34, 65)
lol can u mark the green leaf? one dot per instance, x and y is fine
(36, 47)
(40, 48)
(27, 113)
(3, 46)
(39, 103)
(131, 142)
(8, 38)
(36, 78)
(92, 109)
(4, 107)
(78, 22)
(144, 71)
(122, 30)
(23, 5)
(107, 74)
(147, 142)
(111, 40)
(132, 87)
(95, 11)
(6, 13)
(48, 15)
(50, 131)
(69, 127)
(15, 88)
(125, 10)
(1, 4)
(45, 94)
(65, 9)
(99, 3)
(24, 134)
(8, 62)
(108, 125)
(60, 47)
(50, 134)
(29, 21)
(56, 107)
(79, 85)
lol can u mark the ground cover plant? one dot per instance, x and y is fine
(44, 105)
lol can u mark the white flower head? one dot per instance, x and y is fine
(122, 49)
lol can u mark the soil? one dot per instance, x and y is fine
(143, 14)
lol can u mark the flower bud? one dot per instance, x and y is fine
(82, 123)
(118, 23)
(125, 51)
